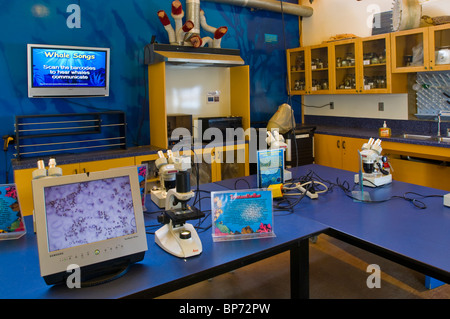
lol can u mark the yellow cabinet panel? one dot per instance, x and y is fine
(22, 179)
(337, 151)
(327, 150)
(106, 164)
(425, 174)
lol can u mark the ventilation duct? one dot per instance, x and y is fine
(271, 5)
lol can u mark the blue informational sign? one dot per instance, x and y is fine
(242, 214)
(270, 167)
(11, 220)
(68, 68)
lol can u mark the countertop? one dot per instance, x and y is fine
(72, 158)
(368, 133)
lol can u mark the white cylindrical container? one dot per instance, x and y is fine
(193, 14)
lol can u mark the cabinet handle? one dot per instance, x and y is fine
(338, 144)
(343, 145)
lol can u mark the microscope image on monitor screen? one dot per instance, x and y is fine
(92, 220)
(88, 212)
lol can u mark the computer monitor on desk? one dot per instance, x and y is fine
(93, 221)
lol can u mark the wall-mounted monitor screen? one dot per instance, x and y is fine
(92, 220)
(67, 71)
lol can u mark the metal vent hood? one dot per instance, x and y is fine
(271, 5)
(174, 54)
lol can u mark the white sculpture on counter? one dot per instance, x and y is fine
(182, 34)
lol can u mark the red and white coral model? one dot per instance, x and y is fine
(181, 35)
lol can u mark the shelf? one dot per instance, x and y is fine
(174, 54)
(375, 65)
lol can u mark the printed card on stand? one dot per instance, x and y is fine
(12, 225)
(238, 215)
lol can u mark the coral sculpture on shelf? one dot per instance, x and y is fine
(181, 35)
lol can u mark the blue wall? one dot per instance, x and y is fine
(126, 27)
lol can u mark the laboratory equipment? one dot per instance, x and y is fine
(176, 236)
(375, 166)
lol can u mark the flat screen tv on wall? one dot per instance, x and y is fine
(67, 71)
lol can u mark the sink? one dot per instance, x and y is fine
(443, 139)
(418, 137)
(431, 138)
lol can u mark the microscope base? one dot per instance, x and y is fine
(170, 239)
(374, 180)
(159, 197)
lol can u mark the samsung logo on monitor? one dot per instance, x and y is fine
(67, 71)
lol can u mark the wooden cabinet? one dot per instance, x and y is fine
(375, 72)
(424, 42)
(354, 66)
(371, 65)
(411, 163)
(419, 164)
(318, 69)
(337, 151)
(309, 71)
(439, 37)
(296, 65)
(404, 44)
(346, 67)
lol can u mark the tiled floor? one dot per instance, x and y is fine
(337, 271)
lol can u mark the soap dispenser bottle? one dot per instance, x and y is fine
(384, 131)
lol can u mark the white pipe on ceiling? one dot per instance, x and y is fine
(271, 5)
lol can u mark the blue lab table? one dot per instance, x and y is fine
(161, 272)
(394, 229)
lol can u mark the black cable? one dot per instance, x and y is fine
(241, 180)
(316, 106)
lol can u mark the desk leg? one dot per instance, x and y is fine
(299, 259)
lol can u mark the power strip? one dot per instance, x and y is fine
(447, 200)
(308, 193)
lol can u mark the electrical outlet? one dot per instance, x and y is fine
(380, 106)
(331, 105)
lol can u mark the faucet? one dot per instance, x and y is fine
(440, 113)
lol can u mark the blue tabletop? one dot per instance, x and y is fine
(20, 275)
(394, 224)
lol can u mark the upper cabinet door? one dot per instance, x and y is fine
(346, 66)
(410, 50)
(439, 37)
